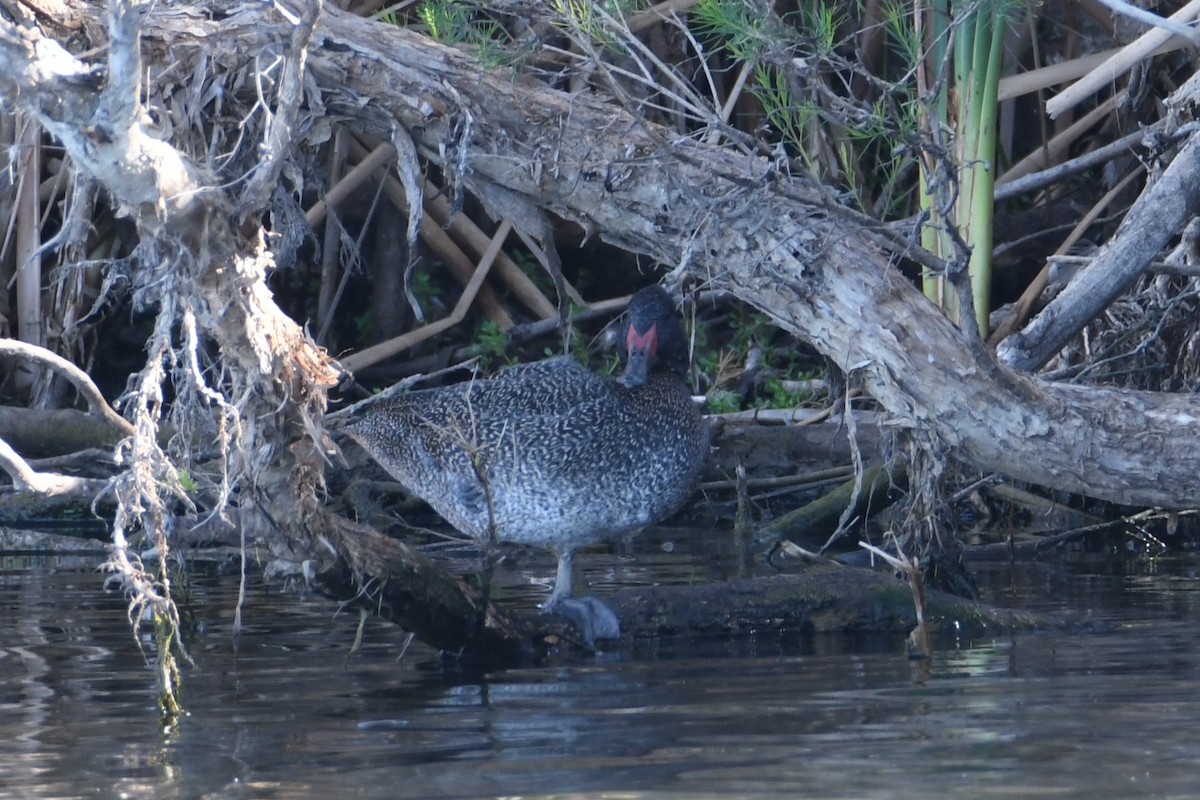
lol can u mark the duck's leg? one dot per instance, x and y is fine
(562, 581)
(593, 619)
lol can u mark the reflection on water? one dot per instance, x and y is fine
(285, 712)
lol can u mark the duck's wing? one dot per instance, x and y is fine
(553, 387)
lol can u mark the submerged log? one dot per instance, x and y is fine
(399, 584)
(826, 598)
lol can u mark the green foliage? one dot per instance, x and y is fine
(457, 22)
(738, 29)
(448, 21)
(787, 114)
(821, 23)
(420, 283)
(587, 13)
(533, 268)
(612, 362)
(721, 366)
(492, 344)
(897, 23)
(187, 481)
(776, 396)
(579, 346)
(722, 401)
(795, 67)
(594, 19)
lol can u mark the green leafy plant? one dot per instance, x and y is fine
(448, 21)
(796, 69)
(722, 401)
(492, 344)
(187, 481)
(775, 395)
(460, 22)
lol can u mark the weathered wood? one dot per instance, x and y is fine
(1161, 212)
(43, 432)
(825, 598)
(396, 582)
(821, 515)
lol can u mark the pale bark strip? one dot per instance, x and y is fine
(30, 323)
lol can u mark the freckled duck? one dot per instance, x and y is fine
(563, 457)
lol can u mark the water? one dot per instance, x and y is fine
(285, 711)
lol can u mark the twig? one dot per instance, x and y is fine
(1119, 64)
(1152, 20)
(549, 261)
(366, 167)
(408, 165)
(1160, 213)
(460, 266)
(78, 378)
(1053, 74)
(778, 416)
(277, 139)
(817, 478)
(1162, 267)
(377, 353)
(1025, 303)
(848, 516)
(26, 478)
(919, 637)
(476, 240)
(1039, 180)
(331, 246)
(353, 257)
(1057, 147)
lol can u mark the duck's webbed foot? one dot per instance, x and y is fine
(594, 620)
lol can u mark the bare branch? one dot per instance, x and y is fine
(78, 378)
(26, 478)
(277, 145)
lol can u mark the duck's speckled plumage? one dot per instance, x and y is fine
(570, 458)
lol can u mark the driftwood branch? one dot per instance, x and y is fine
(824, 598)
(1159, 215)
(23, 475)
(25, 478)
(77, 377)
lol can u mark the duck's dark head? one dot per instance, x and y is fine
(654, 339)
